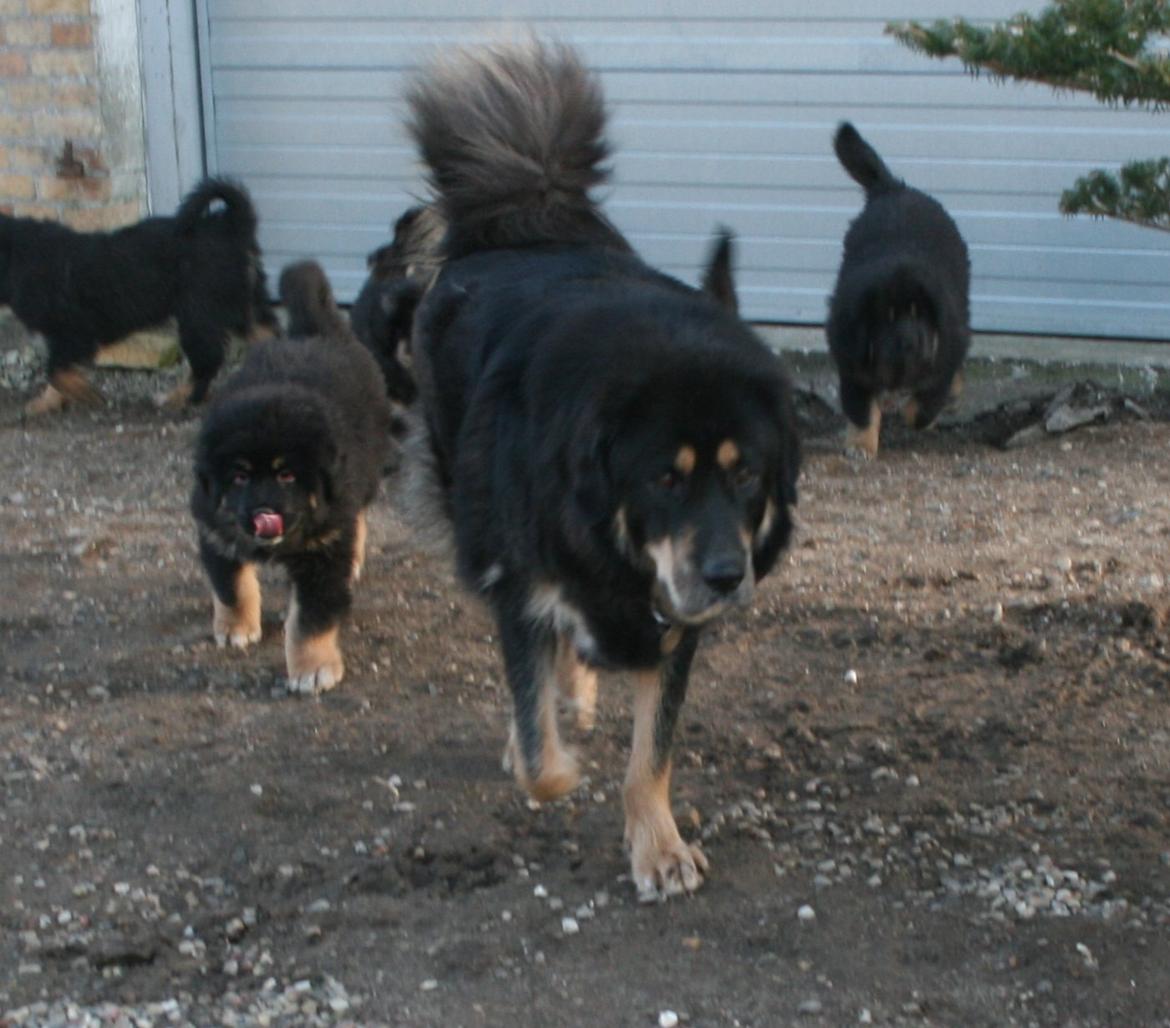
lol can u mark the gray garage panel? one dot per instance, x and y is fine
(722, 114)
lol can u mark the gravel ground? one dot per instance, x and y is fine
(930, 766)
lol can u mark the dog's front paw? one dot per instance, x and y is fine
(314, 664)
(557, 776)
(662, 864)
(237, 627)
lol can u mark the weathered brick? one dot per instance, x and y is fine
(72, 189)
(27, 95)
(74, 7)
(16, 126)
(41, 211)
(17, 187)
(72, 63)
(27, 32)
(26, 157)
(87, 219)
(75, 94)
(13, 64)
(72, 33)
(67, 126)
(11, 8)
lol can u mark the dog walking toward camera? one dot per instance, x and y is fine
(616, 451)
(85, 290)
(289, 458)
(898, 318)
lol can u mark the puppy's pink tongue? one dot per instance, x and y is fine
(267, 526)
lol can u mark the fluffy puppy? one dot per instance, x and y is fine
(399, 273)
(289, 457)
(898, 318)
(82, 291)
(307, 296)
(616, 451)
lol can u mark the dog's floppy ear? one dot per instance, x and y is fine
(718, 280)
(776, 528)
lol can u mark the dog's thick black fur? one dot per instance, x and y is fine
(898, 318)
(289, 457)
(82, 291)
(616, 450)
(399, 273)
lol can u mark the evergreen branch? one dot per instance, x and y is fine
(1139, 193)
(1096, 46)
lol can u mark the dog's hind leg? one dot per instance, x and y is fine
(320, 598)
(865, 419)
(235, 599)
(661, 863)
(204, 346)
(923, 408)
(65, 386)
(543, 766)
(359, 548)
(578, 684)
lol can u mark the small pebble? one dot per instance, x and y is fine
(569, 926)
(806, 914)
(851, 677)
(667, 1019)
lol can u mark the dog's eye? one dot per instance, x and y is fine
(286, 477)
(670, 480)
(240, 477)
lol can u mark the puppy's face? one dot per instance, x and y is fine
(265, 501)
(704, 510)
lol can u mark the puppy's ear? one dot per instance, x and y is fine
(718, 280)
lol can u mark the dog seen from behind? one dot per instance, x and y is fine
(616, 450)
(85, 290)
(898, 317)
(289, 457)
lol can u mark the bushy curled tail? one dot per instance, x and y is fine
(862, 162)
(238, 213)
(513, 139)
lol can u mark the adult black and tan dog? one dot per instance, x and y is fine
(898, 318)
(289, 457)
(84, 290)
(616, 450)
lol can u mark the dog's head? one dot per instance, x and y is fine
(899, 322)
(265, 471)
(692, 465)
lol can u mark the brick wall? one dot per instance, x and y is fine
(61, 157)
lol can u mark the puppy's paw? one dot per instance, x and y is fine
(558, 776)
(175, 398)
(237, 627)
(861, 443)
(314, 664)
(662, 867)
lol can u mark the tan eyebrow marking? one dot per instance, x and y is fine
(685, 460)
(727, 455)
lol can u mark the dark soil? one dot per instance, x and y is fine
(944, 726)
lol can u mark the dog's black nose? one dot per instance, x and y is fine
(723, 574)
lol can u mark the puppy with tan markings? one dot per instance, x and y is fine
(289, 457)
(898, 319)
(616, 451)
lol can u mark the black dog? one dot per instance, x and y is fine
(399, 273)
(289, 457)
(83, 291)
(616, 450)
(898, 319)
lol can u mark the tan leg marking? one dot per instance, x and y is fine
(910, 412)
(957, 385)
(258, 332)
(578, 685)
(863, 442)
(661, 863)
(359, 548)
(314, 662)
(558, 773)
(238, 626)
(178, 396)
(67, 386)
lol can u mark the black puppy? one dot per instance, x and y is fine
(399, 273)
(83, 291)
(307, 296)
(615, 449)
(898, 319)
(289, 457)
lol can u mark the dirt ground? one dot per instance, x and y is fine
(930, 766)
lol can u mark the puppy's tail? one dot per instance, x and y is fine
(238, 214)
(860, 159)
(308, 301)
(512, 136)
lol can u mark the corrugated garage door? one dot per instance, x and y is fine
(722, 113)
